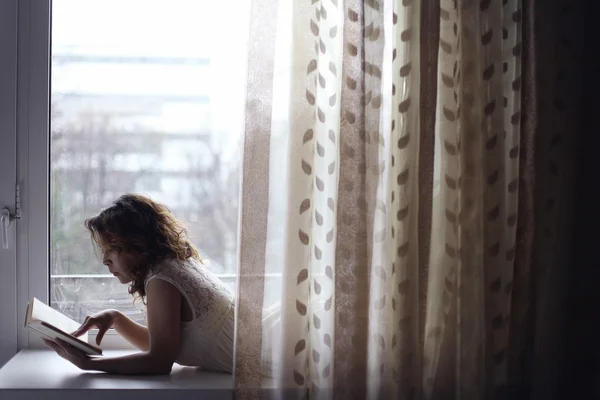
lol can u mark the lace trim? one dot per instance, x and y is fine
(207, 296)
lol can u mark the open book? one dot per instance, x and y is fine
(51, 324)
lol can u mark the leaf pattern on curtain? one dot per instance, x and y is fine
(475, 212)
(358, 177)
(502, 135)
(310, 258)
(395, 278)
(313, 266)
(375, 302)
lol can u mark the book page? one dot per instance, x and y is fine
(42, 312)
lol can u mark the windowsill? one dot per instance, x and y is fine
(42, 374)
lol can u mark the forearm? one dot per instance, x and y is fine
(133, 332)
(134, 364)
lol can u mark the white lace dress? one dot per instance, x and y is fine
(206, 340)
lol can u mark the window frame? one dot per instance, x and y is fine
(8, 168)
(34, 30)
(32, 142)
(33, 158)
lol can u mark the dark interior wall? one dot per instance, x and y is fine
(582, 363)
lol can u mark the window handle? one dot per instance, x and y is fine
(5, 218)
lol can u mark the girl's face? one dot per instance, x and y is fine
(117, 264)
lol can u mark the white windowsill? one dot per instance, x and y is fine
(41, 374)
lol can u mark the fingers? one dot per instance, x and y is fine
(68, 352)
(100, 335)
(70, 349)
(86, 326)
(65, 346)
(53, 345)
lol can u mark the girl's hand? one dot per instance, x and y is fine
(103, 320)
(70, 353)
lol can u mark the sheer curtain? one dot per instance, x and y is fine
(380, 199)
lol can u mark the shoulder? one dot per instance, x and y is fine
(172, 270)
(161, 288)
(162, 269)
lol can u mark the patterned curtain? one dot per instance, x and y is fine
(381, 198)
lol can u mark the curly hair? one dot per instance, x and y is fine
(145, 231)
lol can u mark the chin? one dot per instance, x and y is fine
(123, 280)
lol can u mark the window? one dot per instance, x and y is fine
(149, 99)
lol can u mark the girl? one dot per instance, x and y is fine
(190, 312)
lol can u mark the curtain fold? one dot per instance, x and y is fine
(389, 201)
(254, 205)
